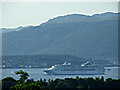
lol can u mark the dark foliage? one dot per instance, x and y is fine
(78, 83)
(8, 82)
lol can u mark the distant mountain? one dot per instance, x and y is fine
(14, 29)
(93, 36)
(83, 18)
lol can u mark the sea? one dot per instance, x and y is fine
(37, 74)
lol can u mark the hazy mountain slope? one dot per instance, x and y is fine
(88, 36)
(4, 30)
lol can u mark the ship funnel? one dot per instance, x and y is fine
(69, 63)
(65, 63)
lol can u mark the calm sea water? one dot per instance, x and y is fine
(37, 73)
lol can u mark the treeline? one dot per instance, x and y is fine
(24, 83)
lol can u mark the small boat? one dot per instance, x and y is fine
(12, 72)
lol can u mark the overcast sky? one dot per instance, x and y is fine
(29, 13)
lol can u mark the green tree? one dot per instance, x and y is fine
(21, 82)
(102, 78)
(8, 82)
(23, 76)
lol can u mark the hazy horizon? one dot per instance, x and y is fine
(52, 18)
(24, 14)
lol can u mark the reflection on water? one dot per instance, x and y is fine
(37, 73)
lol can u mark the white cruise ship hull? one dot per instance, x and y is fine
(75, 73)
(62, 72)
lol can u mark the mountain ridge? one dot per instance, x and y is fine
(64, 16)
(84, 39)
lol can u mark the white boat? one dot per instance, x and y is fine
(68, 69)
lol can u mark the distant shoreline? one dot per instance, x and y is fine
(49, 67)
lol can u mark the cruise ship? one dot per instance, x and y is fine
(68, 69)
